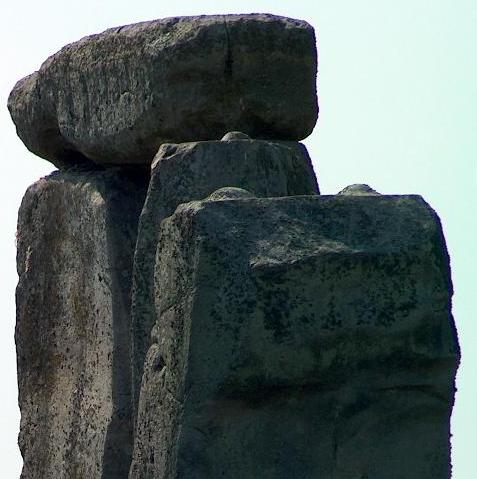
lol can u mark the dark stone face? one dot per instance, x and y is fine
(299, 337)
(114, 98)
(192, 171)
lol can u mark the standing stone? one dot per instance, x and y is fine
(115, 97)
(76, 237)
(192, 171)
(299, 337)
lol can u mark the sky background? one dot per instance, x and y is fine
(397, 89)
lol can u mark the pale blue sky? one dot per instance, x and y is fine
(398, 105)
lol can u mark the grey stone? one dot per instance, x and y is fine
(76, 236)
(235, 135)
(115, 97)
(229, 193)
(358, 190)
(192, 171)
(299, 337)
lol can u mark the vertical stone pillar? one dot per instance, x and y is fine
(192, 171)
(76, 237)
(299, 337)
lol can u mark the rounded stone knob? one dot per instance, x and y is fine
(358, 190)
(230, 193)
(235, 135)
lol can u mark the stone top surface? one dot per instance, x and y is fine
(404, 222)
(115, 97)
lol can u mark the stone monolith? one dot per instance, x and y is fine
(76, 238)
(192, 171)
(299, 337)
(115, 97)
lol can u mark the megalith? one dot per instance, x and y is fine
(301, 337)
(76, 237)
(115, 97)
(189, 306)
(192, 171)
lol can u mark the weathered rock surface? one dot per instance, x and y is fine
(115, 97)
(299, 337)
(192, 171)
(76, 236)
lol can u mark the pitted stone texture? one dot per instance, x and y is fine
(192, 171)
(115, 97)
(76, 236)
(299, 337)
